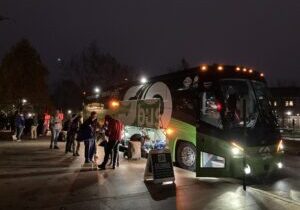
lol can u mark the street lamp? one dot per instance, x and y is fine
(143, 80)
(97, 90)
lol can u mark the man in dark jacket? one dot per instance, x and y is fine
(88, 136)
(114, 134)
(20, 125)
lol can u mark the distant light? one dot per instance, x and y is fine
(238, 69)
(220, 68)
(144, 80)
(69, 111)
(289, 113)
(97, 90)
(83, 93)
(244, 69)
(59, 60)
(24, 101)
(29, 115)
(114, 104)
(262, 74)
(250, 71)
(204, 68)
(279, 165)
(126, 79)
(298, 114)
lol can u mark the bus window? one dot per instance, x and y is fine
(235, 91)
(210, 109)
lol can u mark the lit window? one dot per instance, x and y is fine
(275, 103)
(291, 103)
(286, 103)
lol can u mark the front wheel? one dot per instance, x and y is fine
(186, 156)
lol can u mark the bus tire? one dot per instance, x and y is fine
(186, 156)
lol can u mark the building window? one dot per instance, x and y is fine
(291, 103)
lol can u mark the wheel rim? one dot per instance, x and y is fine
(188, 156)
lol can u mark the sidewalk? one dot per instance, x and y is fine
(35, 177)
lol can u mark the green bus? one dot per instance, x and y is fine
(216, 119)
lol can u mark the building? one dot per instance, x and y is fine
(286, 103)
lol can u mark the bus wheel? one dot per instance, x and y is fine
(186, 156)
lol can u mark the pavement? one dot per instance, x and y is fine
(34, 177)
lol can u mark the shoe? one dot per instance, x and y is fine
(19, 140)
(101, 167)
(87, 161)
(56, 147)
(50, 147)
(77, 154)
(113, 167)
(74, 154)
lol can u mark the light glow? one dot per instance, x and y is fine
(220, 68)
(247, 169)
(204, 68)
(280, 165)
(280, 146)
(97, 90)
(115, 104)
(169, 131)
(144, 80)
(238, 69)
(262, 74)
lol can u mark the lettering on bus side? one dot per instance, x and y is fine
(148, 117)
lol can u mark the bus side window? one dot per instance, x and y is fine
(210, 109)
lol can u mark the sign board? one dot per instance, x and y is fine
(140, 113)
(159, 166)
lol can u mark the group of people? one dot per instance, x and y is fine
(87, 132)
(20, 125)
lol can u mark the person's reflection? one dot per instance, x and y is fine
(233, 114)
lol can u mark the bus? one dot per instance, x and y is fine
(215, 119)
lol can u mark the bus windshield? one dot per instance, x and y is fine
(235, 92)
(257, 112)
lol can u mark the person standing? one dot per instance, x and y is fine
(34, 125)
(75, 123)
(88, 135)
(19, 125)
(56, 126)
(114, 134)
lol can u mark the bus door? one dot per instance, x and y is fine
(212, 157)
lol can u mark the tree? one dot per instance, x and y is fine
(23, 75)
(67, 95)
(94, 68)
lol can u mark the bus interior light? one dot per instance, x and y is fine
(236, 149)
(247, 169)
(220, 68)
(280, 146)
(238, 69)
(244, 70)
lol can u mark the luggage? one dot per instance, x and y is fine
(134, 150)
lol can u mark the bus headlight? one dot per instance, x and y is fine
(236, 149)
(247, 169)
(280, 165)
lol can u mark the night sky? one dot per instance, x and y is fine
(154, 35)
